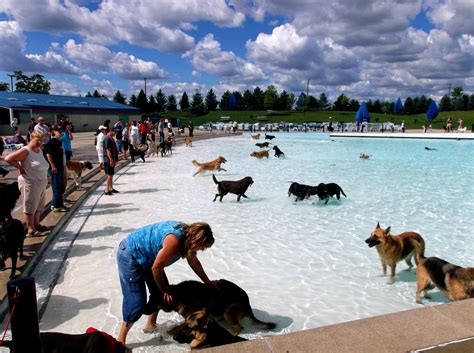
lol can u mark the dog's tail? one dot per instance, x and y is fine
(215, 180)
(261, 324)
(196, 163)
(342, 192)
(419, 250)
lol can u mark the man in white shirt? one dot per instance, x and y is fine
(42, 128)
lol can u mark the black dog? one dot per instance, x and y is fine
(223, 299)
(12, 235)
(325, 191)
(238, 187)
(278, 152)
(301, 191)
(269, 137)
(9, 195)
(263, 144)
(138, 152)
(430, 149)
(166, 147)
(91, 342)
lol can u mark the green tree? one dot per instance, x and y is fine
(270, 98)
(33, 84)
(341, 103)
(211, 100)
(285, 101)
(323, 102)
(312, 103)
(247, 100)
(171, 105)
(142, 101)
(133, 100)
(354, 105)
(239, 99)
(161, 101)
(89, 95)
(4, 86)
(119, 97)
(224, 102)
(258, 99)
(408, 106)
(422, 105)
(152, 107)
(377, 106)
(197, 104)
(301, 101)
(184, 101)
(470, 105)
(445, 104)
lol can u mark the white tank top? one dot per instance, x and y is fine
(35, 165)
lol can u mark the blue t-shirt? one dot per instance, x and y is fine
(144, 243)
(66, 140)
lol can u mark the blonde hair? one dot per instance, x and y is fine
(197, 236)
(36, 135)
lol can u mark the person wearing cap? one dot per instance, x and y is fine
(43, 129)
(100, 144)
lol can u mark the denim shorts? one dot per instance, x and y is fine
(132, 281)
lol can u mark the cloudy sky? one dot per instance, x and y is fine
(365, 49)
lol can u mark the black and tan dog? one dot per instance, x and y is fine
(223, 299)
(395, 248)
(75, 170)
(12, 236)
(200, 330)
(325, 191)
(278, 152)
(165, 147)
(238, 187)
(138, 151)
(9, 195)
(301, 191)
(209, 166)
(455, 282)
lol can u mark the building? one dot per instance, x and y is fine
(85, 113)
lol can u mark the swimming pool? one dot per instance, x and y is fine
(303, 264)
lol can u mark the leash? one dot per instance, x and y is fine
(15, 299)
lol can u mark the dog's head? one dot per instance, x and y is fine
(378, 236)
(248, 180)
(253, 154)
(87, 165)
(322, 191)
(221, 159)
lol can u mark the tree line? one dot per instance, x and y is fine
(251, 100)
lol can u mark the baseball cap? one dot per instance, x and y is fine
(102, 127)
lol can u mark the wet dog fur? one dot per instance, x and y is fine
(260, 154)
(455, 282)
(255, 137)
(394, 248)
(238, 187)
(278, 152)
(200, 330)
(12, 236)
(263, 144)
(269, 137)
(209, 166)
(75, 170)
(301, 191)
(9, 195)
(325, 191)
(188, 142)
(224, 299)
(135, 152)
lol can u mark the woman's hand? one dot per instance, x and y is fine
(168, 298)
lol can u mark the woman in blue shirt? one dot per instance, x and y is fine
(145, 253)
(66, 138)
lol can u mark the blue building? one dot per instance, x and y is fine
(85, 113)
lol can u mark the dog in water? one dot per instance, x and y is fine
(223, 299)
(200, 330)
(255, 137)
(12, 236)
(75, 170)
(138, 151)
(455, 282)
(9, 195)
(165, 147)
(394, 248)
(238, 187)
(188, 142)
(278, 152)
(269, 137)
(263, 144)
(301, 191)
(260, 154)
(212, 165)
(325, 191)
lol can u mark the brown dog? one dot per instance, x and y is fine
(202, 331)
(260, 154)
(212, 165)
(455, 282)
(255, 137)
(188, 142)
(75, 170)
(395, 248)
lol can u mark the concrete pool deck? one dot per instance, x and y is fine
(406, 135)
(399, 332)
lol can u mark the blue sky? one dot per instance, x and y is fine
(364, 49)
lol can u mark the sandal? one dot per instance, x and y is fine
(42, 228)
(151, 330)
(32, 233)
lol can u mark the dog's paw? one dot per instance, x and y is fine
(391, 280)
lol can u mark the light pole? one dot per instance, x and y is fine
(145, 85)
(11, 79)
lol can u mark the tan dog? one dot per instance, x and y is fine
(255, 137)
(456, 283)
(75, 169)
(395, 248)
(188, 142)
(260, 154)
(212, 165)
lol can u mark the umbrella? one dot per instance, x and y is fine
(398, 107)
(232, 101)
(362, 114)
(432, 112)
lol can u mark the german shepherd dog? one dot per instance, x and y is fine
(395, 248)
(225, 299)
(12, 236)
(260, 154)
(455, 282)
(202, 331)
(138, 151)
(301, 191)
(75, 170)
(212, 165)
(238, 187)
(325, 191)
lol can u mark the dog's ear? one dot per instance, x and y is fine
(387, 231)
(377, 226)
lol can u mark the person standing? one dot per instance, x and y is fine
(66, 138)
(125, 139)
(142, 257)
(161, 131)
(55, 155)
(100, 145)
(190, 128)
(14, 125)
(134, 134)
(110, 160)
(43, 129)
(32, 180)
(118, 127)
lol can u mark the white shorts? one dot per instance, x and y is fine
(33, 192)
